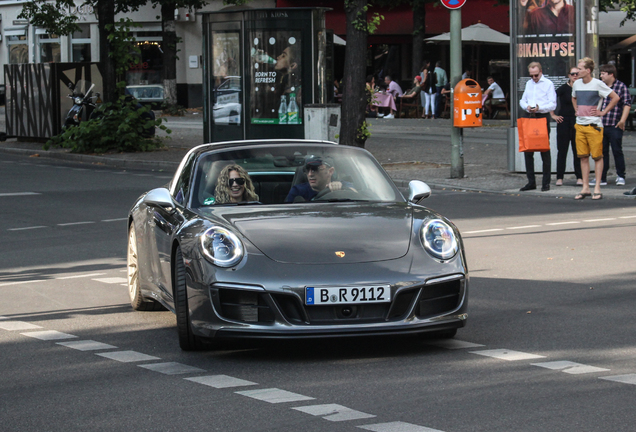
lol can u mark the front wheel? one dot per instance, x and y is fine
(137, 301)
(188, 341)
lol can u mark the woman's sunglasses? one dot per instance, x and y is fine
(574, 73)
(239, 181)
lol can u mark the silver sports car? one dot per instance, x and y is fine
(293, 239)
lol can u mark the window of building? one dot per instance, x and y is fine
(17, 46)
(149, 69)
(49, 49)
(81, 44)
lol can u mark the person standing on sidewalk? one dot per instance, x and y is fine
(538, 100)
(614, 124)
(587, 96)
(566, 134)
(440, 81)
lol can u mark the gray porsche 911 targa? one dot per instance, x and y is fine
(293, 239)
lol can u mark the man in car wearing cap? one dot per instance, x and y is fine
(319, 171)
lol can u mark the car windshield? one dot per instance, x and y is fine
(290, 174)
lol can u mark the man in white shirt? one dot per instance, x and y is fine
(492, 92)
(539, 98)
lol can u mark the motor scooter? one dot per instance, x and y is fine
(81, 98)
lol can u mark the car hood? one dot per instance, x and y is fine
(328, 234)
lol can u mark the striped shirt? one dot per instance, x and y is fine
(624, 98)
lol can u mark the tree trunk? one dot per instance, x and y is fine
(169, 47)
(419, 31)
(354, 98)
(105, 16)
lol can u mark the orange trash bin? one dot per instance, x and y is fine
(467, 108)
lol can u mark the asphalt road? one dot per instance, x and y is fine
(549, 345)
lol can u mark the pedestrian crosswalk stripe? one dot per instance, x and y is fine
(127, 356)
(221, 381)
(87, 345)
(49, 335)
(509, 355)
(570, 367)
(274, 395)
(171, 368)
(112, 280)
(17, 325)
(334, 412)
(625, 379)
(397, 426)
(453, 344)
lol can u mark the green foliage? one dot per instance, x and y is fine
(117, 127)
(364, 132)
(173, 110)
(123, 49)
(362, 21)
(54, 17)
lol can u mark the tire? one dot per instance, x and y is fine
(137, 301)
(187, 340)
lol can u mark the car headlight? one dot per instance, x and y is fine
(439, 239)
(222, 247)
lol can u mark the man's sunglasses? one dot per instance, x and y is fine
(315, 168)
(239, 181)
(535, 76)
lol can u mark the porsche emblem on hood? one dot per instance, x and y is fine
(340, 254)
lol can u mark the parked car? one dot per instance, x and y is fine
(297, 259)
(147, 94)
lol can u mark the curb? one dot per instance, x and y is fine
(101, 160)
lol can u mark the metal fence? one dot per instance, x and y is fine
(36, 96)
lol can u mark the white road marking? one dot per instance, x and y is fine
(171, 368)
(599, 220)
(112, 280)
(509, 355)
(523, 227)
(570, 367)
(27, 228)
(76, 223)
(483, 231)
(86, 345)
(563, 223)
(397, 426)
(23, 282)
(49, 335)
(625, 379)
(274, 395)
(334, 412)
(453, 344)
(127, 356)
(114, 220)
(627, 217)
(80, 276)
(18, 194)
(17, 325)
(221, 381)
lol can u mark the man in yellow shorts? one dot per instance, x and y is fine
(587, 97)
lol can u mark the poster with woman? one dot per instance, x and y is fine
(276, 91)
(545, 33)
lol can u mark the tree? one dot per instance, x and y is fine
(57, 19)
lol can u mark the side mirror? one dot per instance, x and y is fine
(160, 197)
(418, 190)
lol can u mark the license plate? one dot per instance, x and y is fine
(347, 295)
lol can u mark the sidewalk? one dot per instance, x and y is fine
(407, 148)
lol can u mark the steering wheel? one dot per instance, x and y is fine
(345, 193)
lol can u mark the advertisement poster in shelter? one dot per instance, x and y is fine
(275, 72)
(545, 33)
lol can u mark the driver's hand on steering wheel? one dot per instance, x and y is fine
(334, 186)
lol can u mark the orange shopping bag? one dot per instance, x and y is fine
(533, 134)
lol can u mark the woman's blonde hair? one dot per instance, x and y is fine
(222, 191)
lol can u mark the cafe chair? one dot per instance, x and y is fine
(408, 104)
